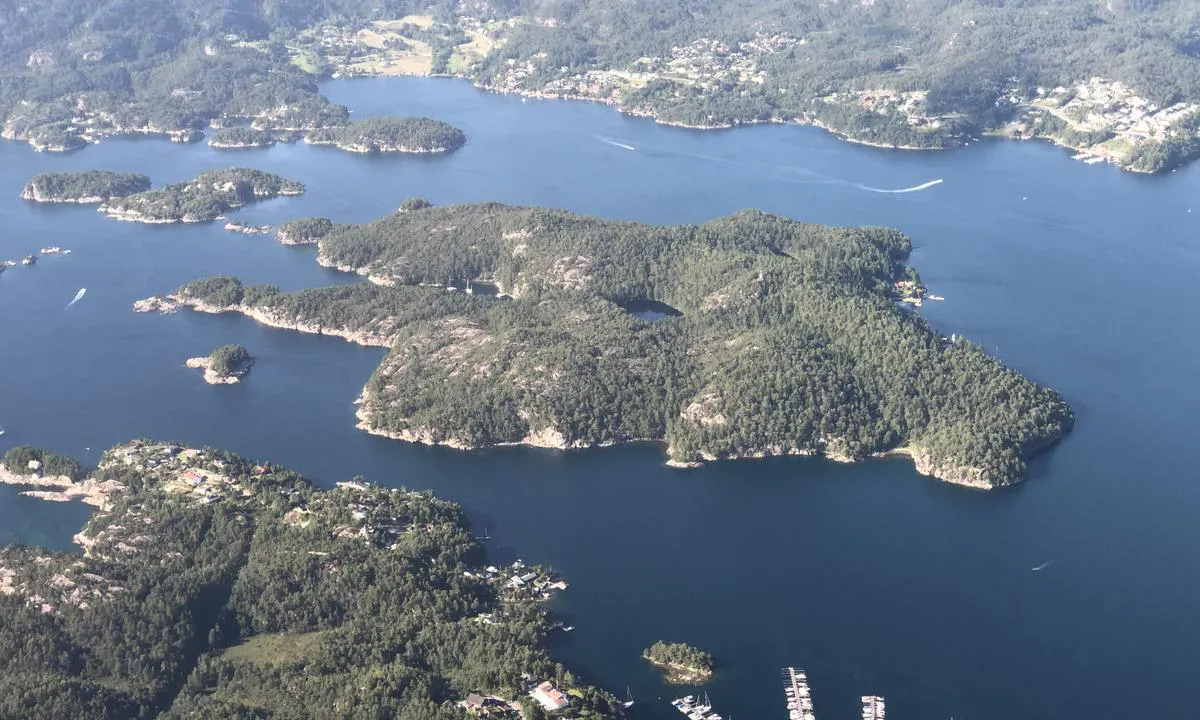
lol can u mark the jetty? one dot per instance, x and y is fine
(694, 709)
(799, 698)
(873, 708)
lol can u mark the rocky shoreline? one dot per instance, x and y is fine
(383, 149)
(552, 439)
(172, 303)
(62, 488)
(213, 378)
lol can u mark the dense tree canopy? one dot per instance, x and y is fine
(406, 134)
(217, 587)
(90, 186)
(204, 198)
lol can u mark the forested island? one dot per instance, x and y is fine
(681, 663)
(91, 186)
(212, 586)
(391, 135)
(226, 365)
(205, 198)
(240, 138)
(1119, 80)
(787, 340)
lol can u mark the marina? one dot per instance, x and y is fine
(799, 697)
(872, 708)
(694, 709)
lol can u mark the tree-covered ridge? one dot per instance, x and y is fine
(304, 231)
(216, 587)
(917, 74)
(789, 342)
(204, 198)
(84, 187)
(391, 135)
(30, 460)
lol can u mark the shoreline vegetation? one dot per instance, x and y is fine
(517, 317)
(240, 589)
(888, 76)
(405, 135)
(205, 198)
(682, 664)
(88, 187)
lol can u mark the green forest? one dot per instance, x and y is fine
(240, 137)
(229, 360)
(789, 340)
(86, 186)
(215, 587)
(405, 134)
(70, 70)
(26, 460)
(305, 231)
(206, 197)
(683, 663)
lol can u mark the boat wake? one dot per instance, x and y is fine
(804, 176)
(1043, 566)
(614, 143)
(78, 296)
(914, 188)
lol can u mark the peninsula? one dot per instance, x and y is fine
(305, 231)
(681, 664)
(391, 135)
(782, 338)
(214, 586)
(226, 365)
(92, 186)
(203, 199)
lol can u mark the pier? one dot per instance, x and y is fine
(799, 698)
(872, 708)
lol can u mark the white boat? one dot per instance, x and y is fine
(1, 430)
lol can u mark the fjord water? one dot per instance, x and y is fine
(875, 579)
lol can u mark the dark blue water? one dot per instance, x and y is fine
(874, 578)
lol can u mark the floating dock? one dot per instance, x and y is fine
(873, 707)
(799, 698)
(694, 709)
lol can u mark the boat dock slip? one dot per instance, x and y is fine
(873, 707)
(799, 698)
(695, 709)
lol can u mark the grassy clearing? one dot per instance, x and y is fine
(276, 649)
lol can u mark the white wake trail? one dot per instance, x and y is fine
(614, 143)
(914, 188)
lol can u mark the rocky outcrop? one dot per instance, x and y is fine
(212, 377)
(61, 488)
(155, 304)
(359, 337)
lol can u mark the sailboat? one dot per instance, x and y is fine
(629, 702)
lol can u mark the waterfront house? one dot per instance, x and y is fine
(549, 697)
